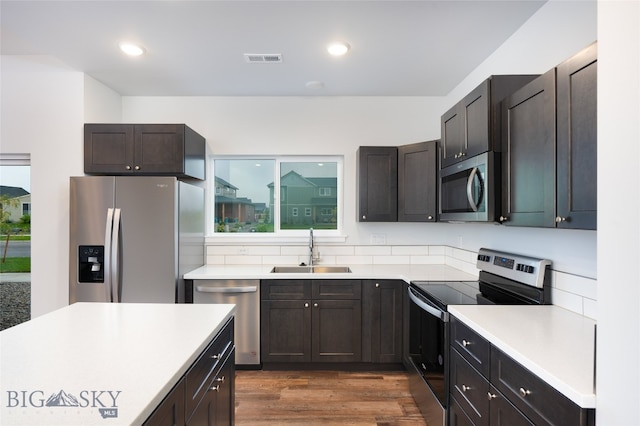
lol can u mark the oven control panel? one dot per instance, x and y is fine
(526, 269)
(503, 262)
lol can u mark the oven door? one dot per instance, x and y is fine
(427, 359)
(468, 191)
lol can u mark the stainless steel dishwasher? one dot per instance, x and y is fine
(245, 294)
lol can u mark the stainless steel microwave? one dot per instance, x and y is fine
(470, 190)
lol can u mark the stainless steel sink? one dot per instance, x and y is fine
(310, 269)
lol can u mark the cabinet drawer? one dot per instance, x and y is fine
(535, 398)
(337, 289)
(285, 289)
(470, 389)
(203, 371)
(471, 346)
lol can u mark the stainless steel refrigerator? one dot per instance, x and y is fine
(132, 238)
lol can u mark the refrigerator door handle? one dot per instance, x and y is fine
(108, 255)
(116, 241)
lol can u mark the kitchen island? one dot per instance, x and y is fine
(101, 363)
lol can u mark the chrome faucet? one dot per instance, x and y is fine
(310, 247)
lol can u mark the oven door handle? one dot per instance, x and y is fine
(425, 306)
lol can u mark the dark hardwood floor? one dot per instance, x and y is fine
(324, 398)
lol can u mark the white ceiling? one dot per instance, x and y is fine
(398, 48)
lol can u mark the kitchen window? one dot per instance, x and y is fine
(276, 196)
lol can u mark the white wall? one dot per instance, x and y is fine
(43, 106)
(42, 115)
(618, 351)
(101, 104)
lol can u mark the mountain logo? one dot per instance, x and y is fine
(62, 399)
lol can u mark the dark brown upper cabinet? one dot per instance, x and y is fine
(144, 149)
(549, 148)
(397, 183)
(528, 155)
(377, 175)
(472, 126)
(417, 182)
(576, 141)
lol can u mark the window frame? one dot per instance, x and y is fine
(278, 235)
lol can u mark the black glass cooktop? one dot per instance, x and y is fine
(444, 293)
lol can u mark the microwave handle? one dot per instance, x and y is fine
(472, 202)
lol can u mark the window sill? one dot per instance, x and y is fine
(264, 239)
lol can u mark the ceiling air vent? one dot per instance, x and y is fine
(262, 58)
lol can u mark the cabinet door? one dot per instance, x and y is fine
(171, 411)
(383, 304)
(285, 330)
(465, 127)
(418, 182)
(108, 148)
(452, 135)
(336, 331)
(377, 184)
(528, 158)
(159, 148)
(577, 141)
(476, 121)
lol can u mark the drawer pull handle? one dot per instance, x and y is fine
(215, 388)
(465, 388)
(220, 379)
(306, 305)
(491, 396)
(465, 342)
(524, 392)
(216, 356)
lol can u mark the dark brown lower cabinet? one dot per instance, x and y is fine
(205, 394)
(217, 407)
(508, 395)
(382, 304)
(285, 330)
(311, 321)
(336, 331)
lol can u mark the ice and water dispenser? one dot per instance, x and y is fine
(91, 261)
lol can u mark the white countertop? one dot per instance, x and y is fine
(97, 353)
(555, 344)
(402, 272)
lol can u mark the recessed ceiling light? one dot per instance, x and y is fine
(338, 48)
(131, 49)
(314, 84)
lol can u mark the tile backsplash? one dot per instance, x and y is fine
(572, 292)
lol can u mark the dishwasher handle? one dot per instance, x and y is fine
(226, 290)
